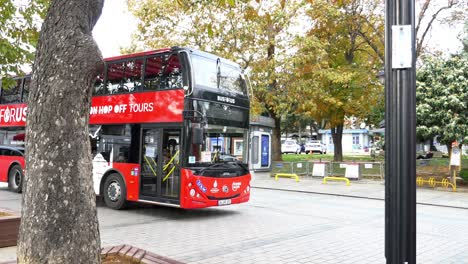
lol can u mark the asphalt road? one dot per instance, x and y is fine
(276, 227)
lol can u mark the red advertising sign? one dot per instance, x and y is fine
(145, 107)
(13, 115)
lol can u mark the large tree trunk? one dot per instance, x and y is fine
(276, 140)
(315, 127)
(337, 135)
(59, 221)
(449, 150)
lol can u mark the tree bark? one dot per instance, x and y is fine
(59, 220)
(276, 139)
(337, 135)
(449, 150)
(315, 127)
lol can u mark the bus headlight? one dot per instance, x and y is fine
(192, 192)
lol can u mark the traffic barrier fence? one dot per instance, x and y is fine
(329, 168)
(425, 168)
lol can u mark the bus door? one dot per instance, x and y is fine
(150, 162)
(170, 182)
(160, 168)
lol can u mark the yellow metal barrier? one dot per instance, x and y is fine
(325, 179)
(290, 175)
(433, 183)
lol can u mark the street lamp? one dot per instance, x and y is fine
(400, 132)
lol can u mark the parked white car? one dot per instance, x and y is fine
(315, 146)
(290, 146)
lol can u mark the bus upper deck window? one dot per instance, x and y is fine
(163, 72)
(12, 93)
(27, 82)
(153, 73)
(99, 85)
(124, 77)
(172, 75)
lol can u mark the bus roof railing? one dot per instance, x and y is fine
(138, 54)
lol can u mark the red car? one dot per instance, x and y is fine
(12, 167)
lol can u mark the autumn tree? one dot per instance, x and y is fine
(442, 100)
(255, 34)
(272, 71)
(338, 66)
(19, 23)
(58, 219)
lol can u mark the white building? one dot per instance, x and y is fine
(353, 141)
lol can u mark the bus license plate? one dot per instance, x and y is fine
(224, 202)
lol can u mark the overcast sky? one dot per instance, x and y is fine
(114, 28)
(116, 25)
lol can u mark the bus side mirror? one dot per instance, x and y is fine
(197, 135)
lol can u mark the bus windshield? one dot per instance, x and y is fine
(212, 72)
(221, 145)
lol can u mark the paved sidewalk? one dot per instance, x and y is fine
(365, 188)
(153, 229)
(7, 254)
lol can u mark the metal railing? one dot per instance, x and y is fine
(425, 168)
(431, 168)
(328, 168)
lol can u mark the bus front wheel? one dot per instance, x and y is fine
(114, 192)
(15, 178)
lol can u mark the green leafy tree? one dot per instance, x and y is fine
(338, 66)
(255, 34)
(19, 32)
(442, 100)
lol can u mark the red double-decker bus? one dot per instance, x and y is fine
(167, 127)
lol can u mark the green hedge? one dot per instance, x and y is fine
(464, 174)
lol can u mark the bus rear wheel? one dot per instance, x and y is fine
(15, 178)
(114, 192)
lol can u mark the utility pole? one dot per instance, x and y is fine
(400, 132)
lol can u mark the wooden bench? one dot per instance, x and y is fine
(289, 175)
(325, 179)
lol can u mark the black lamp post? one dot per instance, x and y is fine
(400, 133)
